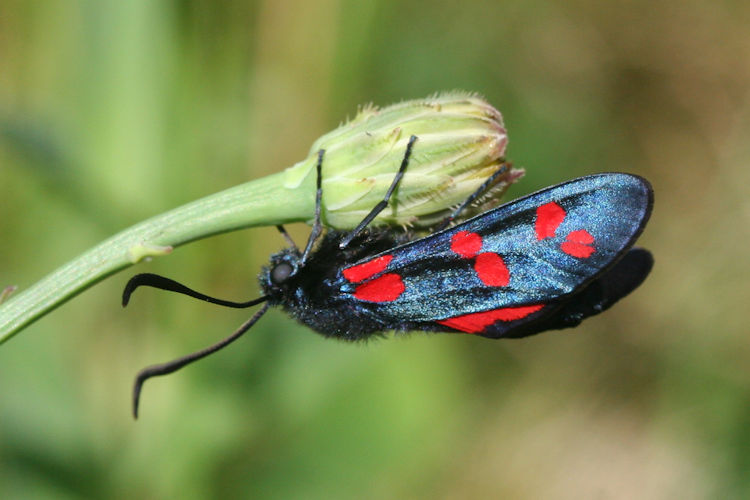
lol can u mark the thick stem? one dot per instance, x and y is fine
(261, 202)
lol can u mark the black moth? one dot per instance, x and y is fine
(545, 261)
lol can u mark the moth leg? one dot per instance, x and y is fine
(476, 194)
(384, 202)
(317, 226)
(288, 238)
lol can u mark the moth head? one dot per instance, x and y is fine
(279, 275)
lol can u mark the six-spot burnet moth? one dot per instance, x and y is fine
(542, 262)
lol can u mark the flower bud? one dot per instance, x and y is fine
(460, 143)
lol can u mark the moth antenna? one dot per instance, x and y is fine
(162, 283)
(174, 365)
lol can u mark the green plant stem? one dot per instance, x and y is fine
(264, 201)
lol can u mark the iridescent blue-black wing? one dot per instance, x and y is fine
(544, 261)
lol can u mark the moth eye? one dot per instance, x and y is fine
(281, 272)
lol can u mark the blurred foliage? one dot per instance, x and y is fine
(112, 111)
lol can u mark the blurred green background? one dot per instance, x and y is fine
(112, 111)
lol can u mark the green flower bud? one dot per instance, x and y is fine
(461, 142)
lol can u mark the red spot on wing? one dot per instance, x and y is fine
(385, 288)
(578, 244)
(477, 322)
(466, 244)
(361, 272)
(581, 236)
(491, 269)
(548, 218)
